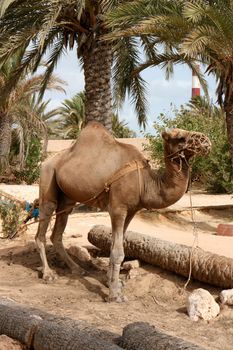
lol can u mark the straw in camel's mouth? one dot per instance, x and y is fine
(199, 144)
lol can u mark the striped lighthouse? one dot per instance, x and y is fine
(196, 86)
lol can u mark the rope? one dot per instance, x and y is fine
(195, 233)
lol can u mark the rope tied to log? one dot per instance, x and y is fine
(195, 233)
(199, 144)
(196, 143)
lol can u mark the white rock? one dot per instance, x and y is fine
(133, 273)
(80, 253)
(129, 265)
(201, 305)
(226, 297)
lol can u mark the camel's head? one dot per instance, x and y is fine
(183, 143)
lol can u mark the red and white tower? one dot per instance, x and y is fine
(196, 86)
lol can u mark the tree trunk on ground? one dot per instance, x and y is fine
(229, 122)
(5, 141)
(40, 330)
(142, 336)
(17, 322)
(97, 63)
(206, 267)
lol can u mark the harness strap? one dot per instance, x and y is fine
(126, 169)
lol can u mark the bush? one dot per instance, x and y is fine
(10, 217)
(214, 172)
(31, 171)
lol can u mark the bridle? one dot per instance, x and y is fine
(195, 143)
(180, 156)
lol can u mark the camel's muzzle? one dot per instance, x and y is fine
(199, 144)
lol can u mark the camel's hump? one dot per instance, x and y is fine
(96, 134)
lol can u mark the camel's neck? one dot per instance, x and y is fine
(164, 189)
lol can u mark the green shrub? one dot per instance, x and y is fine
(31, 171)
(10, 217)
(214, 172)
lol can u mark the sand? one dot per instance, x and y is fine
(155, 296)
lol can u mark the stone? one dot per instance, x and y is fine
(225, 230)
(226, 297)
(133, 273)
(201, 305)
(129, 265)
(80, 253)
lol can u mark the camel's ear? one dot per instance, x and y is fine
(165, 135)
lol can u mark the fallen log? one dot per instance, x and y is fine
(142, 336)
(18, 322)
(42, 331)
(39, 330)
(206, 267)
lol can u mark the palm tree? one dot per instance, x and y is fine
(120, 128)
(36, 118)
(15, 105)
(48, 27)
(192, 30)
(210, 39)
(72, 116)
(71, 119)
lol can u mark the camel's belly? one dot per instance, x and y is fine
(81, 187)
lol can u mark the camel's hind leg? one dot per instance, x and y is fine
(48, 202)
(65, 205)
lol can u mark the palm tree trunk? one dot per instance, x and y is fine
(5, 141)
(206, 267)
(97, 63)
(40, 330)
(135, 337)
(229, 121)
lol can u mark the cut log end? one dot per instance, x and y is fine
(142, 336)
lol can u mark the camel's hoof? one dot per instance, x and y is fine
(49, 276)
(117, 299)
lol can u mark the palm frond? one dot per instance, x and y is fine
(127, 58)
(4, 5)
(51, 63)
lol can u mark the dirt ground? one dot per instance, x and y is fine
(154, 295)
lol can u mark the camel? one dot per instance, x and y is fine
(105, 173)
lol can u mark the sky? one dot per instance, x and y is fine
(161, 92)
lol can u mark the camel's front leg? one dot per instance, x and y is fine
(116, 257)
